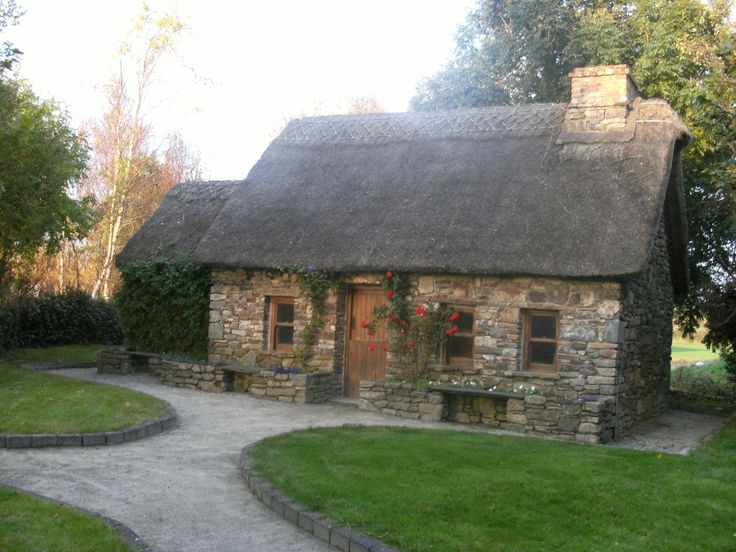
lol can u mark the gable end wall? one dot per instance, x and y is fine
(647, 309)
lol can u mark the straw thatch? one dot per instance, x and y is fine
(179, 223)
(477, 191)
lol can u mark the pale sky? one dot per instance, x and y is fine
(244, 67)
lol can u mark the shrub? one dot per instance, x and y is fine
(164, 306)
(57, 319)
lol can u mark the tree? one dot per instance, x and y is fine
(126, 175)
(9, 54)
(40, 159)
(683, 51)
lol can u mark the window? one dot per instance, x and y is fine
(459, 347)
(541, 333)
(282, 324)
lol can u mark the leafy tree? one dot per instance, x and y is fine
(9, 54)
(683, 51)
(40, 158)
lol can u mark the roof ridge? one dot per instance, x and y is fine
(519, 119)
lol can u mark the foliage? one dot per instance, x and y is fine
(47, 158)
(30, 523)
(9, 54)
(704, 382)
(416, 331)
(72, 317)
(683, 51)
(448, 490)
(163, 305)
(315, 283)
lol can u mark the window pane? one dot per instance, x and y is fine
(465, 322)
(284, 335)
(461, 347)
(285, 312)
(544, 326)
(542, 353)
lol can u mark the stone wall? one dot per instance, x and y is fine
(401, 399)
(590, 330)
(192, 375)
(647, 310)
(586, 419)
(120, 361)
(239, 311)
(314, 387)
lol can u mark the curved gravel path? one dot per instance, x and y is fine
(181, 490)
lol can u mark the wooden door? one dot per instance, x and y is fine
(362, 363)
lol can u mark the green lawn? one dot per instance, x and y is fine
(691, 351)
(448, 491)
(37, 402)
(28, 523)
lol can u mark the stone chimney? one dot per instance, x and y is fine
(602, 101)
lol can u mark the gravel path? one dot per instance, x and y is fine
(181, 490)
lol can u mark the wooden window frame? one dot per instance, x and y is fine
(528, 340)
(274, 324)
(460, 361)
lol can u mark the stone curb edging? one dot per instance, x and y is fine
(44, 366)
(342, 538)
(128, 535)
(95, 439)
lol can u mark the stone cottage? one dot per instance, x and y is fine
(558, 232)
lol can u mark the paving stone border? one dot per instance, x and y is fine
(94, 439)
(129, 536)
(342, 538)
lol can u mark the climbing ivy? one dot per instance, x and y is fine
(163, 306)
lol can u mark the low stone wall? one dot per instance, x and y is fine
(587, 419)
(193, 375)
(401, 399)
(120, 361)
(313, 387)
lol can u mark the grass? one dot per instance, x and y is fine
(29, 523)
(448, 491)
(37, 402)
(691, 351)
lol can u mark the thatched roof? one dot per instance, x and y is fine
(477, 191)
(179, 223)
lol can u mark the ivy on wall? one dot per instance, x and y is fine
(163, 306)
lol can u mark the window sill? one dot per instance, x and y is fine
(530, 374)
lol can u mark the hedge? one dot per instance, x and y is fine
(57, 319)
(164, 306)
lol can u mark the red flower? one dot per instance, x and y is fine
(389, 294)
(389, 274)
(385, 349)
(452, 330)
(403, 331)
(410, 344)
(421, 311)
(404, 322)
(364, 324)
(371, 332)
(394, 318)
(454, 316)
(372, 347)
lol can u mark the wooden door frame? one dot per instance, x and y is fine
(351, 289)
